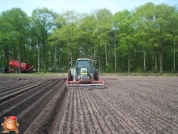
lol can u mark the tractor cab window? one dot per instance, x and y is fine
(84, 64)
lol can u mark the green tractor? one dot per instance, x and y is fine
(84, 75)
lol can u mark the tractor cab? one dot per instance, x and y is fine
(84, 64)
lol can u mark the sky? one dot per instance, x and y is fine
(81, 6)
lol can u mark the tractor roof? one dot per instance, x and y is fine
(83, 59)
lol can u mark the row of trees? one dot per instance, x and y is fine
(143, 39)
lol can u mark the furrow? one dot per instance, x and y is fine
(80, 113)
(104, 128)
(128, 120)
(45, 115)
(92, 113)
(60, 120)
(112, 119)
(76, 114)
(87, 119)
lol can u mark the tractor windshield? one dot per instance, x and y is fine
(84, 64)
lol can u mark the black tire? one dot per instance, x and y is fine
(96, 76)
(70, 77)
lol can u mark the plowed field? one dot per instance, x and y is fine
(128, 105)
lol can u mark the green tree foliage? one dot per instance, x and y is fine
(125, 24)
(156, 22)
(104, 19)
(42, 25)
(68, 32)
(87, 35)
(143, 39)
(14, 33)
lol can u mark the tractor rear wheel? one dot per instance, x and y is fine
(70, 77)
(96, 76)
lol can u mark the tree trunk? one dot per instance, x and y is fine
(19, 58)
(144, 61)
(55, 57)
(106, 56)
(155, 58)
(44, 57)
(19, 61)
(6, 55)
(161, 61)
(71, 56)
(128, 63)
(128, 59)
(174, 56)
(25, 53)
(99, 60)
(115, 62)
(38, 57)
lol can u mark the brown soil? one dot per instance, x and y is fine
(143, 105)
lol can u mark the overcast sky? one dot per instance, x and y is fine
(82, 6)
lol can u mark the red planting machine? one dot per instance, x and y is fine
(14, 64)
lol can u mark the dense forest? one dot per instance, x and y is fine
(141, 40)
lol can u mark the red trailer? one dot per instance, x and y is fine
(14, 64)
